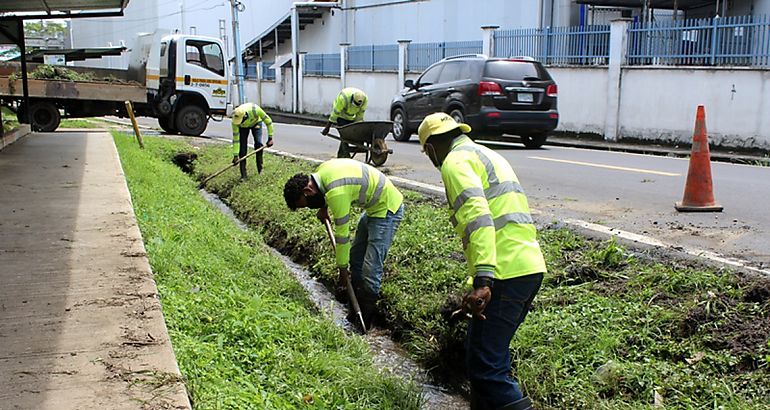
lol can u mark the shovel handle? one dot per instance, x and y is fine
(241, 159)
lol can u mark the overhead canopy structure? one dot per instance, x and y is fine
(14, 12)
(656, 4)
(280, 31)
(61, 8)
(73, 54)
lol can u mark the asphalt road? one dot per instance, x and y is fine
(624, 191)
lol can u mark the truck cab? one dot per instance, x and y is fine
(188, 82)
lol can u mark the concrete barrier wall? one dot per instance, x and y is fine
(380, 88)
(660, 104)
(582, 98)
(656, 103)
(319, 94)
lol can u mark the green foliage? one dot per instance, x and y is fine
(607, 330)
(244, 333)
(54, 72)
(44, 29)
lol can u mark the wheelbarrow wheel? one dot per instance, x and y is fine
(379, 153)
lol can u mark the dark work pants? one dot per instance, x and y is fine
(244, 147)
(343, 151)
(487, 347)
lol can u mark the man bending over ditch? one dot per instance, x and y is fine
(491, 214)
(334, 187)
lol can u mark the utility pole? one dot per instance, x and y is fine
(237, 7)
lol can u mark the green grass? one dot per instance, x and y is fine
(9, 119)
(80, 123)
(608, 330)
(244, 333)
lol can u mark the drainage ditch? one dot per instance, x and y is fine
(388, 355)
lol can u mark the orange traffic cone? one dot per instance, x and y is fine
(698, 194)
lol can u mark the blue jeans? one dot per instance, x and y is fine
(369, 249)
(243, 146)
(487, 347)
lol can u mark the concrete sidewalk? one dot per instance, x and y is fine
(80, 320)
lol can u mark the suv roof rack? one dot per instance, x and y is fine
(465, 56)
(524, 58)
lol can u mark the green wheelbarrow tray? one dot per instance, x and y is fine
(367, 137)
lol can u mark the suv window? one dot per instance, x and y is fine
(431, 76)
(455, 71)
(515, 70)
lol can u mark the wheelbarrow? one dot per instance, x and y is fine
(366, 137)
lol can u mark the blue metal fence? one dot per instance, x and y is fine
(267, 72)
(575, 45)
(373, 58)
(722, 41)
(325, 65)
(421, 55)
(250, 70)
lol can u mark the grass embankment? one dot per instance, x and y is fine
(607, 331)
(244, 333)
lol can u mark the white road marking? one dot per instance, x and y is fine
(613, 167)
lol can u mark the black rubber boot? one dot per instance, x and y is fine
(259, 161)
(244, 175)
(368, 304)
(477, 403)
(522, 404)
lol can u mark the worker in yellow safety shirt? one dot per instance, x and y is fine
(489, 211)
(349, 107)
(249, 118)
(332, 189)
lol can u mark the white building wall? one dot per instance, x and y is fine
(148, 16)
(139, 17)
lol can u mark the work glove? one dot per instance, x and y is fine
(341, 291)
(476, 301)
(342, 277)
(323, 215)
(270, 142)
(235, 159)
(325, 131)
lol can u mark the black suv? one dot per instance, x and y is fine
(492, 95)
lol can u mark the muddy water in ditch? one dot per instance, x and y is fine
(388, 356)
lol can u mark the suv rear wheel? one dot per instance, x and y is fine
(400, 127)
(534, 140)
(457, 115)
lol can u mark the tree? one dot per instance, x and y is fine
(45, 29)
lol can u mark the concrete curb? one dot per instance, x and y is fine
(14, 135)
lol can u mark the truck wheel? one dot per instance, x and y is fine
(167, 125)
(45, 116)
(191, 120)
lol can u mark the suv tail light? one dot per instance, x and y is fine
(552, 90)
(490, 88)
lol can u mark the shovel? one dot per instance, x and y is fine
(210, 177)
(348, 284)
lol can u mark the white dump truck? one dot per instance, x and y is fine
(182, 80)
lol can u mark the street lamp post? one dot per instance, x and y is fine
(237, 7)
